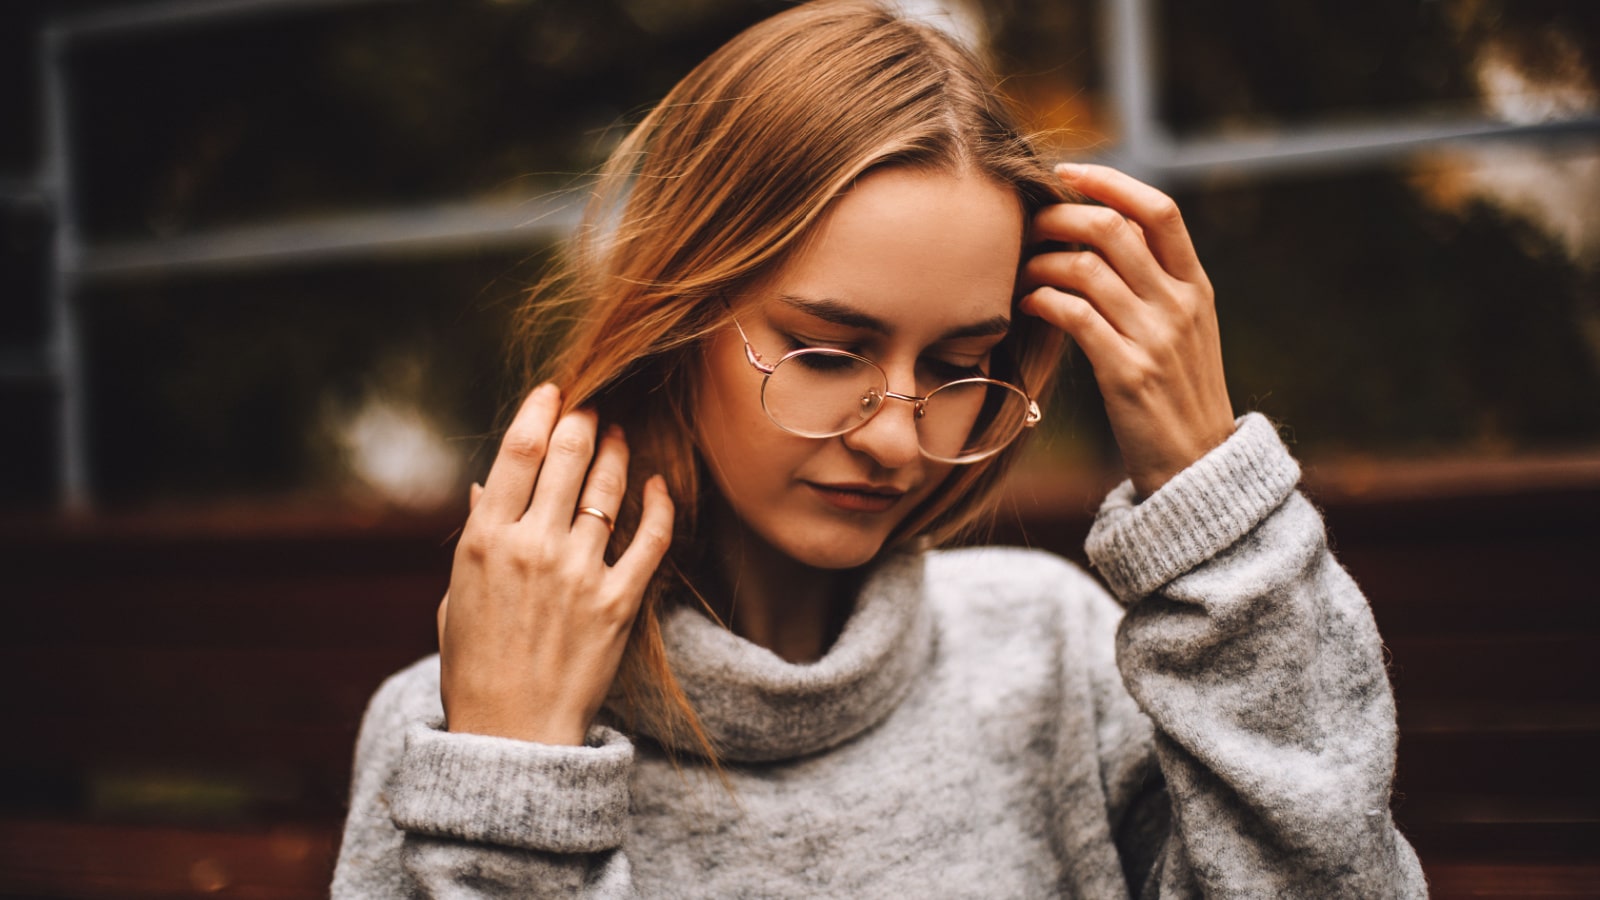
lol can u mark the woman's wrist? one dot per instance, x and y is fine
(559, 730)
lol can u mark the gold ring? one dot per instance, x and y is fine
(598, 514)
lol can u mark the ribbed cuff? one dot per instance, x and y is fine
(514, 793)
(1140, 546)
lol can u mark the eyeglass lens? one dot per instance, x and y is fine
(822, 393)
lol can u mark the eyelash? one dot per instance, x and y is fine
(945, 370)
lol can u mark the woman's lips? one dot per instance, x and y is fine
(857, 497)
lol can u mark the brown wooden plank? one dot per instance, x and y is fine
(1546, 668)
(160, 686)
(99, 741)
(1478, 586)
(1531, 764)
(178, 609)
(1522, 843)
(92, 861)
(1449, 880)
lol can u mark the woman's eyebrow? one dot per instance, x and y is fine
(995, 325)
(842, 314)
(836, 312)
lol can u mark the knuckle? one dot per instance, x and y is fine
(1075, 311)
(1107, 223)
(1085, 266)
(571, 443)
(1053, 219)
(606, 483)
(526, 443)
(1166, 212)
(1162, 339)
(653, 538)
(475, 545)
(619, 606)
(1136, 377)
(531, 557)
(577, 571)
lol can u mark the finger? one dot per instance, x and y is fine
(509, 487)
(1154, 211)
(555, 494)
(1119, 241)
(608, 478)
(650, 540)
(473, 494)
(1100, 342)
(1088, 275)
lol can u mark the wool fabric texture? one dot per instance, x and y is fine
(989, 723)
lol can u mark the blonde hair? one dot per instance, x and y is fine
(709, 194)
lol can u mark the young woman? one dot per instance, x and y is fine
(696, 641)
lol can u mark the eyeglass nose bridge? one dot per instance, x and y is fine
(872, 403)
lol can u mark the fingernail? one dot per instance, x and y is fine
(547, 389)
(1069, 170)
(614, 430)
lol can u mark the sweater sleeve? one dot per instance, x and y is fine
(1256, 657)
(436, 814)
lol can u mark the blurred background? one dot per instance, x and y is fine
(257, 258)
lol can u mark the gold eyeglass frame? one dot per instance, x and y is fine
(756, 361)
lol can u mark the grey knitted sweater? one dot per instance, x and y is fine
(989, 724)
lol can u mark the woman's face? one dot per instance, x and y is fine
(915, 271)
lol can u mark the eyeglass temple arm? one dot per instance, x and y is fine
(749, 351)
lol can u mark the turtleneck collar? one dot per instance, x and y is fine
(757, 707)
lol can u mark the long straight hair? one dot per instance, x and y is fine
(709, 194)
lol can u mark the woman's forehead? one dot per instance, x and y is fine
(907, 245)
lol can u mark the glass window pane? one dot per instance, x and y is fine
(1261, 64)
(263, 117)
(376, 381)
(24, 268)
(27, 458)
(1414, 311)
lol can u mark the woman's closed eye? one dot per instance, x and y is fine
(826, 363)
(932, 371)
(943, 371)
(820, 362)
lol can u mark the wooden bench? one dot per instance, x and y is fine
(183, 692)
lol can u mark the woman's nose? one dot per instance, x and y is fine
(890, 436)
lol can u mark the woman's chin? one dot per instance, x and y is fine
(834, 556)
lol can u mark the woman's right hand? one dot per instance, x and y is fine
(533, 626)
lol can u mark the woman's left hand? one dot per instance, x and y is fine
(1142, 309)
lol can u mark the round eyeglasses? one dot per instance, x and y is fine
(819, 392)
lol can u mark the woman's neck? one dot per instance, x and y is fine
(769, 599)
